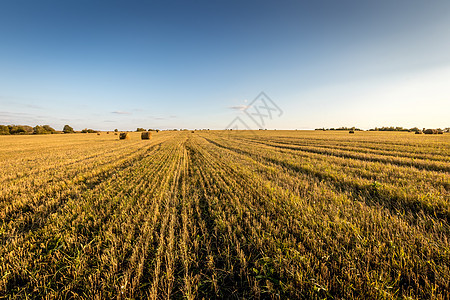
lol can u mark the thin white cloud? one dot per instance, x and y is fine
(34, 106)
(239, 107)
(119, 112)
(22, 118)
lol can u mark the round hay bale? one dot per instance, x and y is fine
(418, 132)
(351, 131)
(146, 135)
(192, 131)
(115, 133)
(98, 133)
(124, 136)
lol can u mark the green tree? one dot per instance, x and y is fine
(88, 130)
(28, 129)
(39, 130)
(45, 129)
(20, 129)
(68, 129)
(4, 130)
(49, 129)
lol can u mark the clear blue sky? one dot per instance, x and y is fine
(174, 64)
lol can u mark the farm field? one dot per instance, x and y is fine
(225, 214)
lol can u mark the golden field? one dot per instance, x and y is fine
(225, 214)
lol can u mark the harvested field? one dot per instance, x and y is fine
(226, 214)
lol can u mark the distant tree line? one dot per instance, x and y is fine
(390, 128)
(38, 129)
(86, 130)
(139, 129)
(46, 129)
(15, 129)
(414, 129)
(340, 128)
(25, 129)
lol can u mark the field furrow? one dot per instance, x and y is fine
(395, 190)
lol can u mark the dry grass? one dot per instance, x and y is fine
(270, 214)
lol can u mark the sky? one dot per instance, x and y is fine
(203, 64)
